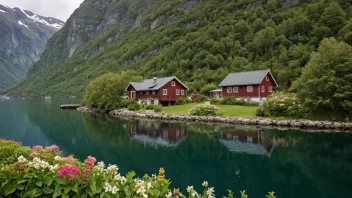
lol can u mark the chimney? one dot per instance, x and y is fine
(155, 79)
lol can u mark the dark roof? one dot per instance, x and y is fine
(246, 78)
(151, 85)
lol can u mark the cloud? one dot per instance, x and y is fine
(61, 9)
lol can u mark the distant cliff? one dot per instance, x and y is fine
(23, 36)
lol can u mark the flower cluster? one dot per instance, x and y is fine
(70, 171)
(38, 163)
(109, 188)
(205, 110)
(90, 161)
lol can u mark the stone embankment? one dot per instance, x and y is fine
(341, 126)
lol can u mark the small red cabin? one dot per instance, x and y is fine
(253, 84)
(164, 91)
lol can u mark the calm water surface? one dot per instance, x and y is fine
(291, 163)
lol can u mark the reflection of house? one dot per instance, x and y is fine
(163, 134)
(242, 141)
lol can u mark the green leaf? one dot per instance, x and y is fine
(67, 189)
(93, 187)
(127, 191)
(9, 189)
(39, 183)
(75, 188)
(22, 181)
(57, 193)
(60, 181)
(48, 181)
(20, 187)
(47, 190)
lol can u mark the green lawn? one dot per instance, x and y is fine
(229, 110)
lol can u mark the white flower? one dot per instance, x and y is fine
(107, 187)
(205, 184)
(57, 158)
(123, 180)
(114, 190)
(168, 195)
(112, 169)
(53, 169)
(141, 190)
(189, 188)
(21, 159)
(117, 177)
(149, 185)
(210, 192)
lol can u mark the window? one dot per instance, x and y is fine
(182, 92)
(153, 92)
(229, 90)
(177, 92)
(173, 83)
(263, 89)
(141, 93)
(165, 92)
(270, 89)
(147, 92)
(249, 88)
(235, 89)
(267, 78)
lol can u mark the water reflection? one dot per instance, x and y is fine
(157, 133)
(247, 140)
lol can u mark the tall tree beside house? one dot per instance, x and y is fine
(105, 91)
(326, 81)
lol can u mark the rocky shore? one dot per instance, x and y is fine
(308, 124)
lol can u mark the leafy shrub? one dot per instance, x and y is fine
(205, 110)
(10, 151)
(214, 101)
(158, 108)
(196, 97)
(182, 101)
(46, 173)
(228, 101)
(260, 111)
(205, 90)
(150, 107)
(283, 104)
(125, 103)
(134, 107)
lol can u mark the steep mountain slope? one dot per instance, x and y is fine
(199, 41)
(23, 36)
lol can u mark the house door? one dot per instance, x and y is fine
(133, 95)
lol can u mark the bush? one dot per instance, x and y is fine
(125, 103)
(205, 110)
(228, 101)
(46, 173)
(182, 101)
(283, 104)
(150, 107)
(158, 108)
(214, 101)
(260, 111)
(233, 101)
(134, 107)
(205, 90)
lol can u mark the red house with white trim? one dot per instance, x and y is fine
(164, 91)
(255, 85)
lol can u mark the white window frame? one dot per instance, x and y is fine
(267, 78)
(153, 93)
(248, 89)
(229, 89)
(182, 92)
(177, 92)
(270, 88)
(235, 89)
(133, 93)
(263, 88)
(164, 92)
(173, 83)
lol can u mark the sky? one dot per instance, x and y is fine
(60, 9)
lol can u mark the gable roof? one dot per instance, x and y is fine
(150, 85)
(246, 78)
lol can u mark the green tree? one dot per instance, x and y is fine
(333, 17)
(105, 91)
(326, 81)
(205, 90)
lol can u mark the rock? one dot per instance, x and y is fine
(296, 124)
(310, 124)
(337, 125)
(282, 123)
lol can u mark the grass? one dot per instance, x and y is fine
(229, 110)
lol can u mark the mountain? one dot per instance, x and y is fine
(199, 41)
(23, 36)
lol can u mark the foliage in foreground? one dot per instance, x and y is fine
(205, 110)
(46, 173)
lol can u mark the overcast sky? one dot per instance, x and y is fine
(60, 9)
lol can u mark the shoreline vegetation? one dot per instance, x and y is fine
(296, 124)
(45, 172)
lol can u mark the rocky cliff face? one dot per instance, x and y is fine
(23, 36)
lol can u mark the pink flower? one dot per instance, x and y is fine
(53, 148)
(70, 171)
(69, 160)
(90, 161)
(32, 155)
(86, 173)
(37, 148)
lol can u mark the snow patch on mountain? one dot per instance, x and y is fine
(20, 22)
(2, 11)
(38, 19)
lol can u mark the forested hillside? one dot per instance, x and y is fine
(199, 41)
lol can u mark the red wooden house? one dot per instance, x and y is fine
(164, 91)
(253, 84)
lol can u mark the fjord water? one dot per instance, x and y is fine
(292, 163)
